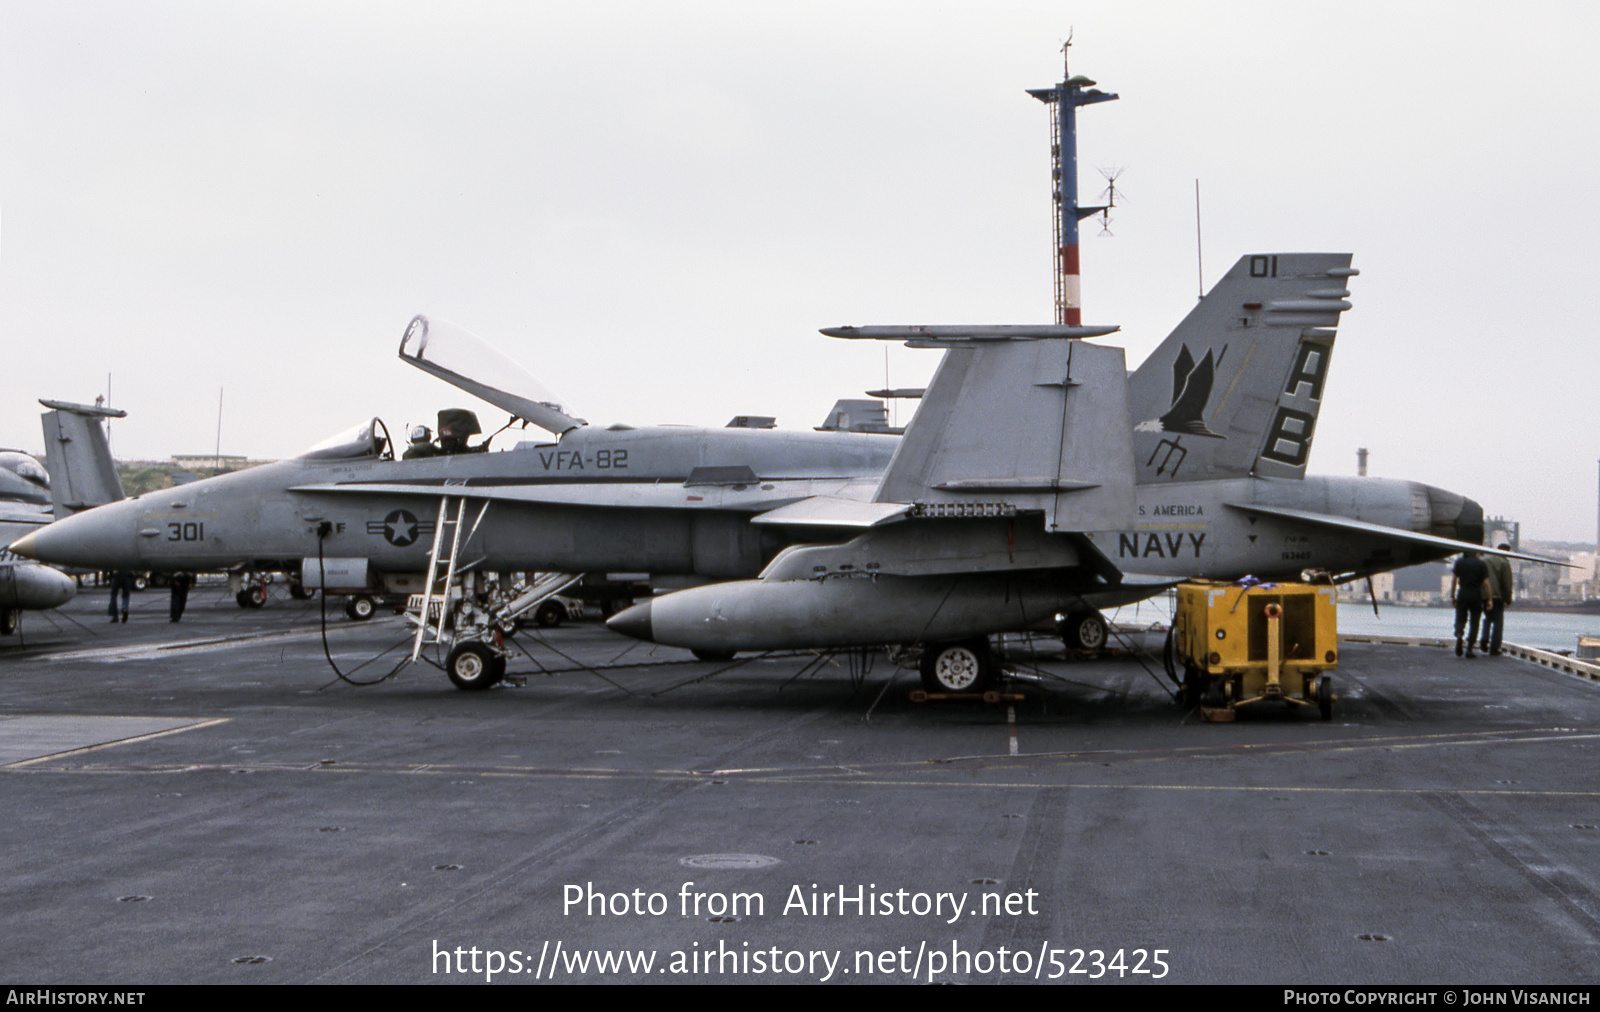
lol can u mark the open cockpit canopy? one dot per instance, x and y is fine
(462, 359)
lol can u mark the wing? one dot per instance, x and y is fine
(845, 497)
(1446, 546)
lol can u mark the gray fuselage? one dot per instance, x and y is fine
(667, 500)
(659, 517)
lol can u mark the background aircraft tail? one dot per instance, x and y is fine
(82, 473)
(1236, 388)
(856, 415)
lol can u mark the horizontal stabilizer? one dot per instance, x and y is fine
(88, 410)
(1395, 533)
(937, 337)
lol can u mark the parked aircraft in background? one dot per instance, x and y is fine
(25, 507)
(84, 476)
(1034, 471)
(24, 493)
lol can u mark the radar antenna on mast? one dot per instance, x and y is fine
(1109, 195)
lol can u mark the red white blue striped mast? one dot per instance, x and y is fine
(1066, 97)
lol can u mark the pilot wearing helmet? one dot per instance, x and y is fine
(421, 444)
(455, 425)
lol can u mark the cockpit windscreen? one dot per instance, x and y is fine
(366, 441)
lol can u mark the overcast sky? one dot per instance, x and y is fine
(653, 206)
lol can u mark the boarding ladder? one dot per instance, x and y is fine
(451, 511)
(449, 564)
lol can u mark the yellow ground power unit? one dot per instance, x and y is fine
(1240, 645)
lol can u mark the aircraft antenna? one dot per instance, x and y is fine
(1109, 195)
(217, 466)
(1199, 247)
(895, 419)
(1064, 100)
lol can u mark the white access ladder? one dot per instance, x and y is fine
(451, 518)
(432, 606)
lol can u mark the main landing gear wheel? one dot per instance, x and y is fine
(550, 614)
(360, 608)
(1085, 630)
(473, 666)
(1325, 696)
(300, 592)
(713, 656)
(251, 597)
(8, 621)
(957, 667)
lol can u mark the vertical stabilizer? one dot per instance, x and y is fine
(856, 415)
(1018, 423)
(82, 473)
(1236, 388)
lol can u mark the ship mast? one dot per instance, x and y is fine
(1064, 99)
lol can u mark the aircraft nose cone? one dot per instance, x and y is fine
(102, 538)
(634, 621)
(24, 546)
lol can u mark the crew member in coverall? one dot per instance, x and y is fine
(1469, 588)
(1500, 590)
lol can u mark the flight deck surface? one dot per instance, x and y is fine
(206, 802)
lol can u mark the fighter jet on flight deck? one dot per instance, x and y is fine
(1222, 418)
(1036, 479)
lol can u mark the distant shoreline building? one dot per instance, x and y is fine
(224, 460)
